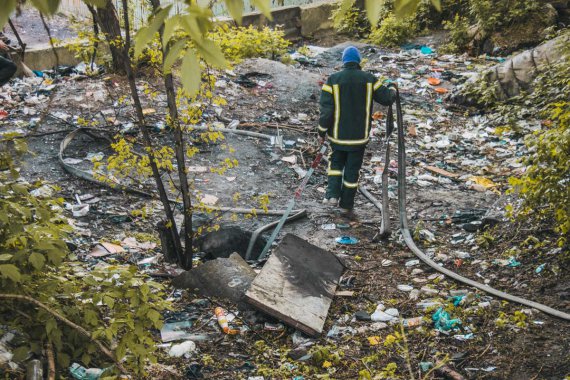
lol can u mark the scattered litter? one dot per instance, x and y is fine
(182, 349)
(405, 288)
(442, 320)
(346, 240)
(381, 315)
(486, 369)
(95, 157)
(510, 262)
(80, 210)
(81, 373)
(425, 366)
(223, 322)
(209, 200)
(273, 326)
(44, 191)
(329, 226)
(173, 331)
(338, 331)
(197, 169)
(290, 159)
(131, 242)
(540, 268)
(464, 337)
(411, 263)
(413, 322)
(105, 249)
(434, 81)
(482, 181)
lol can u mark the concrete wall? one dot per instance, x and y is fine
(296, 21)
(42, 57)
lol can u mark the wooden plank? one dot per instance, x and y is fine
(445, 173)
(297, 285)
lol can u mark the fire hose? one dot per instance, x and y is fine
(385, 227)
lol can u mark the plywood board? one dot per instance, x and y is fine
(297, 284)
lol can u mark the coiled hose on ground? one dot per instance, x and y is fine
(404, 218)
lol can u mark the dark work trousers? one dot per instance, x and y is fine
(7, 70)
(343, 172)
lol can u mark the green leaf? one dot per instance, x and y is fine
(120, 351)
(10, 271)
(170, 27)
(173, 54)
(436, 4)
(235, 7)
(48, 7)
(404, 8)
(211, 53)
(37, 260)
(97, 3)
(6, 257)
(109, 301)
(51, 325)
(20, 353)
(56, 255)
(146, 34)
(190, 76)
(20, 189)
(373, 8)
(85, 359)
(63, 359)
(264, 7)
(153, 315)
(7, 6)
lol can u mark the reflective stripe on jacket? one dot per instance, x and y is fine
(346, 106)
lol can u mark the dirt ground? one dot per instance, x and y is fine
(496, 339)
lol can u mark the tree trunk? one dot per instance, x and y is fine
(171, 223)
(180, 149)
(109, 23)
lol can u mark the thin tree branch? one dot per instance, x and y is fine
(61, 318)
(20, 42)
(51, 361)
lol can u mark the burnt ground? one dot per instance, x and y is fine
(508, 341)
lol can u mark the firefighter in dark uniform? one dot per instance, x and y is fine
(345, 120)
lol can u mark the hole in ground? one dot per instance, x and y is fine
(227, 240)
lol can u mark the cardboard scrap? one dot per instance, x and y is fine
(197, 169)
(290, 159)
(209, 200)
(445, 173)
(105, 249)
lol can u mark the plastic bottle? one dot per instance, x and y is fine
(412, 322)
(223, 322)
(81, 373)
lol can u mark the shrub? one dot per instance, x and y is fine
(493, 15)
(115, 305)
(347, 18)
(458, 34)
(239, 43)
(393, 31)
(544, 187)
